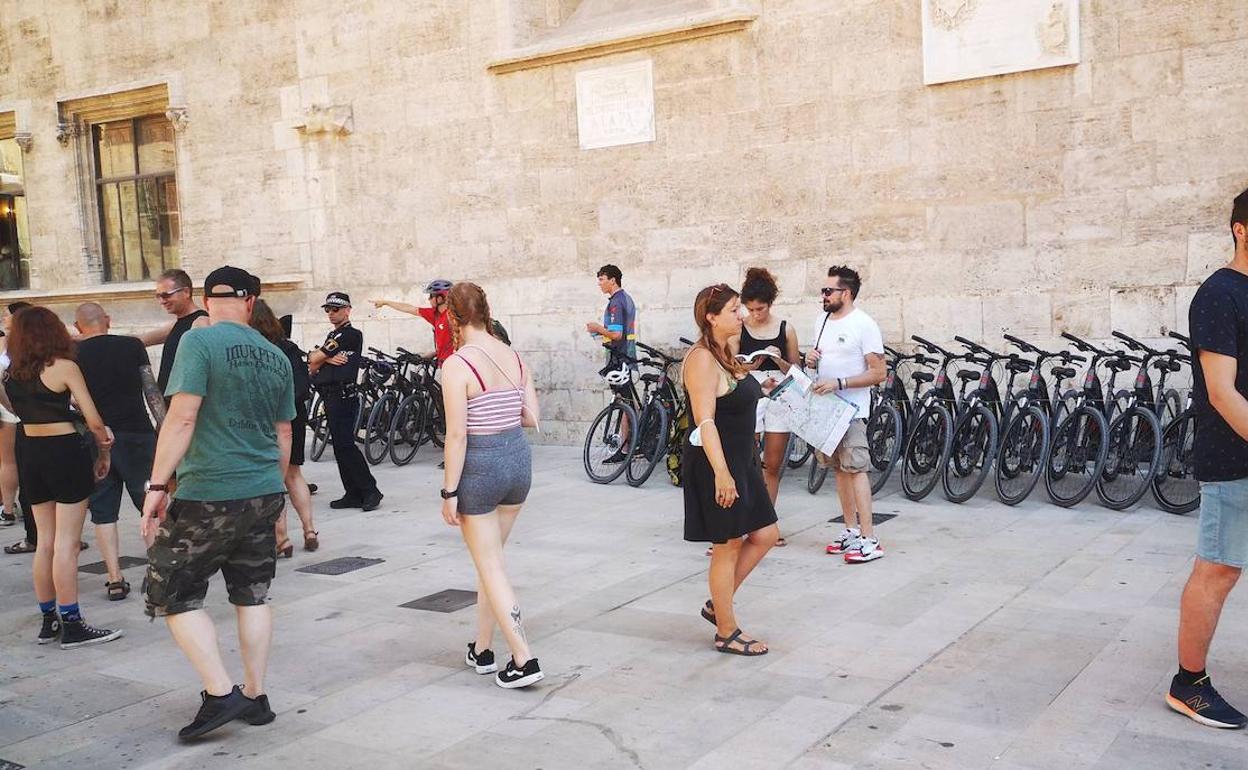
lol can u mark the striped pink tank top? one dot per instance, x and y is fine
(494, 411)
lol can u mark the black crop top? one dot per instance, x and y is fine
(749, 345)
(35, 404)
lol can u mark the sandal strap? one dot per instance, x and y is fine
(736, 636)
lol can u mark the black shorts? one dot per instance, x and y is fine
(128, 471)
(56, 468)
(199, 538)
(298, 438)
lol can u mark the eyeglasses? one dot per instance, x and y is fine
(828, 291)
(168, 294)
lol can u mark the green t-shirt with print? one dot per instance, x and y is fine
(247, 386)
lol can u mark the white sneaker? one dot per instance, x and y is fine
(843, 542)
(867, 549)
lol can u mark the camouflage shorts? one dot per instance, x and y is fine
(199, 538)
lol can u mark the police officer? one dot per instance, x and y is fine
(335, 367)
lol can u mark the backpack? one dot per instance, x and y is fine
(497, 330)
(675, 470)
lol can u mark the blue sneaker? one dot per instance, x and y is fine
(1202, 703)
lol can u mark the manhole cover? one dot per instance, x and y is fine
(339, 566)
(450, 600)
(876, 518)
(98, 568)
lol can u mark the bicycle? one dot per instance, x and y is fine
(607, 447)
(1134, 438)
(1174, 486)
(416, 416)
(928, 444)
(377, 426)
(661, 407)
(1080, 438)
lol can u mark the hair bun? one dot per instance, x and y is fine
(759, 274)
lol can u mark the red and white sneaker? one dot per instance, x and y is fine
(843, 543)
(868, 549)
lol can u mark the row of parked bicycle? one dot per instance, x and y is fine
(1084, 437)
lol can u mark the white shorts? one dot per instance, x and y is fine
(8, 417)
(770, 417)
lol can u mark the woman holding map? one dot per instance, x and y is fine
(767, 347)
(726, 499)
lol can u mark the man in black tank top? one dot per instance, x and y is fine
(175, 294)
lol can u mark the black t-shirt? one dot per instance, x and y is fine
(299, 368)
(345, 339)
(1218, 319)
(110, 364)
(167, 354)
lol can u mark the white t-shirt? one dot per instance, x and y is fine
(844, 344)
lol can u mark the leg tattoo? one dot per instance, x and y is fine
(515, 622)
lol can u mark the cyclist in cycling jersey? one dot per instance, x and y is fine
(436, 315)
(618, 332)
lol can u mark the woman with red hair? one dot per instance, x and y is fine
(57, 472)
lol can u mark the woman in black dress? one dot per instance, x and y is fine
(726, 500)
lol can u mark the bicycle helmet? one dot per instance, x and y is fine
(618, 377)
(438, 286)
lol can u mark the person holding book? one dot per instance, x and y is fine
(767, 348)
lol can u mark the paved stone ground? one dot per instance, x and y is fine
(1029, 637)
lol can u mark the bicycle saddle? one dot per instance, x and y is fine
(1118, 364)
(1019, 365)
(1063, 372)
(651, 377)
(923, 377)
(1166, 365)
(969, 375)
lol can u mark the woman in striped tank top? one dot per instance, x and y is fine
(489, 399)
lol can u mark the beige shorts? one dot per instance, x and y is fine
(851, 455)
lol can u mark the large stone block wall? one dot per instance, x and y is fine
(1083, 198)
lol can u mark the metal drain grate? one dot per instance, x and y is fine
(98, 568)
(876, 518)
(339, 566)
(7, 765)
(450, 600)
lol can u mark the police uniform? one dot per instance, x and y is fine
(337, 386)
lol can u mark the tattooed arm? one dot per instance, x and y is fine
(152, 395)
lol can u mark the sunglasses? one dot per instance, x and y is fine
(332, 308)
(168, 294)
(828, 291)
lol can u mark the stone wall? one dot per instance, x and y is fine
(1082, 198)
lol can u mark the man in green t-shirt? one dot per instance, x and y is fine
(227, 434)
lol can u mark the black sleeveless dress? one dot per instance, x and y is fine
(705, 520)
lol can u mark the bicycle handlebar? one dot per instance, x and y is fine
(933, 347)
(974, 347)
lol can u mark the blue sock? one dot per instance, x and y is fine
(70, 613)
(48, 606)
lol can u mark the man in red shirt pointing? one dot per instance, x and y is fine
(436, 315)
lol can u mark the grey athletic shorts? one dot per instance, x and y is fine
(498, 469)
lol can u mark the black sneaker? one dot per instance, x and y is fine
(258, 712)
(215, 711)
(372, 501)
(312, 488)
(51, 630)
(1202, 703)
(617, 458)
(482, 661)
(512, 677)
(346, 501)
(76, 633)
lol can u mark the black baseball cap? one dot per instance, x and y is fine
(242, 283)
(336, 299)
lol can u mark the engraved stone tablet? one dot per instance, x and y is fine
(615, 105)
(964, 39)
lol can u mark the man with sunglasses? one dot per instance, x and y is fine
(335, 368)
(175, 294)
(849, 356)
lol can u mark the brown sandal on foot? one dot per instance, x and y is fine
(708, 612)
(310, 541)
(284, 549)
(722, 644)
(117, 590)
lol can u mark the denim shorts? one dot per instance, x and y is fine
(1223, 535)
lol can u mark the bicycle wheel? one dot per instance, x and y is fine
(1174, 485)
(1171, 408)
(606, 444)
(884, 440)
(799, 452)
(971, 454)
(318, 424)
(927, 446)
(817, 475)
(407, 428)
(1066, 404)
(435, 420)
(1020, 462)
(1076, 456)
(650, 446)
(377, 430)
(1134, 457)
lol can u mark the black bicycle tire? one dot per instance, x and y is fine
(1167, 505)
(376, 416)
(1102, 427)
(318, 424)
(1170, 396)
(1142, 489)
(909, 488)
(417, 402)
(433, 416)
(660, 444)
(990, 454)
(806, 455)
(890, 412)
(593, 427)
(816, 476)
(1036, 413)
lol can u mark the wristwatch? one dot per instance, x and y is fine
(448, 495)
(148, 486)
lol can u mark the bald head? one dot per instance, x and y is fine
(90, 318)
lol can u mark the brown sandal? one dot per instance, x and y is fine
(284, 549)
(117, 590)
(722, 644)
(310, 541)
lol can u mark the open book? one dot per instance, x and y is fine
(757, 354)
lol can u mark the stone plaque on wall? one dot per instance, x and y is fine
(615, 105)
(964, 39)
